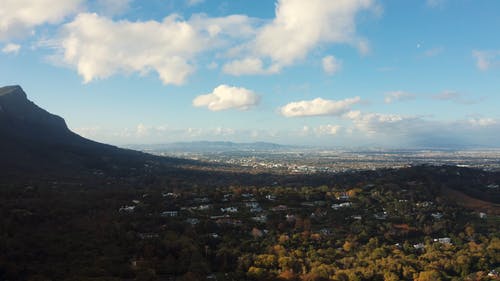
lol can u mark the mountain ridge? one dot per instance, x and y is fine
(36, 141)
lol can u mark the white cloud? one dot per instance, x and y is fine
(398, 96)
(99, 47)
(224, 28)
(390, 129)
(483, 122)
(248, 66)
(300, 26)
(372, 123)
(11, 49)
(226, 97)
(327, 130)
(318, 107)
(331, 65)
(486, 59)
(18, 18)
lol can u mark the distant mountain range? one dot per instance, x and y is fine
(212, 146)
(36, 141)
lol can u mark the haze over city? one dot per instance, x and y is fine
(330, 73)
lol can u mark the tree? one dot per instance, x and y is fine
(429, 275)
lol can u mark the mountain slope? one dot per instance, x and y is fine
(34, 140)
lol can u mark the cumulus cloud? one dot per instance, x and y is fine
(11, 49)
(18, 18)
(318, 107)
(226, 97)
(398, 96)
(99, 47)
(300, 26)
(294, 32)
(486, 59)
(331, 65)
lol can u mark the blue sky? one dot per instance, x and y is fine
(318, 72)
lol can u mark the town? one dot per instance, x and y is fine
(323, 160)
(404, 224)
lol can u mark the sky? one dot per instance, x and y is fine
(339, 73)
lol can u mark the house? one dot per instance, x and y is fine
(493, 273)
(492, 186)
(229, 210)
(341, 205)
(170, 213)
(380, 216)
(247, 195)
(126, 209)
(170, 195)
(437, 215)
(424, 204)
(325, 231)
(343, 196)
(256, 210)
(203, 207)
(252, 204)
(261, 218)
(279, 208)
(270, 197)
(193, 221)
(318, 214)
(444, 240)
(219, 217)
(229, 221)
(419, 246)
(201, 200)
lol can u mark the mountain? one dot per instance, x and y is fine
(34, 141)
(212, 146)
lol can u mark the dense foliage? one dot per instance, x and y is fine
(391, 225)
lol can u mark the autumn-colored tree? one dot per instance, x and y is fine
(429, 275)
